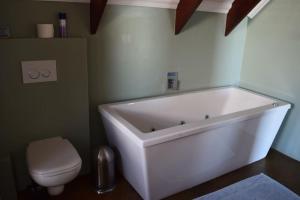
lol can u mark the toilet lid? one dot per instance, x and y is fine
(51, 156)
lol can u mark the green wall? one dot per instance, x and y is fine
(8, 188)
(128, 58)
(272, 64)
(37, 111)
(135, 47)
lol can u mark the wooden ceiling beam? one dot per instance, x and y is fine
(239, 10)
(184, 11)
(96, 11)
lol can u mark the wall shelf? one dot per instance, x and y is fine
(42, 39)
(218, 6)
(236, 10)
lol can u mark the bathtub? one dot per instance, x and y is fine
(171, 143)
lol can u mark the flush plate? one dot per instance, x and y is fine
(39, 71)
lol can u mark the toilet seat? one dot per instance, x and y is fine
(52, 157)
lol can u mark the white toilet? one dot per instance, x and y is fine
(52, 163)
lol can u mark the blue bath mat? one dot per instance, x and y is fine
(260, 187)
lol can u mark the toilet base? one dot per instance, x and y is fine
(56, 190)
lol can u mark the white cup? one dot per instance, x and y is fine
(45, 30)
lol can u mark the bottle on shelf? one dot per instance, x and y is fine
(62, 25)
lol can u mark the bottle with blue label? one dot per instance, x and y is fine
(62, 25)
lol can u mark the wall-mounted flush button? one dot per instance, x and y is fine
(39, 71)
(45, 73)
(34, 74)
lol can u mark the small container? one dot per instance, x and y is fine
(62, 25)
(4, 32)
(45, 30)
(104, 169)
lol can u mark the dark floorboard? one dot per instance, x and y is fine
(276, 165)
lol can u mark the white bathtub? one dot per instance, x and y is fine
(167, 145)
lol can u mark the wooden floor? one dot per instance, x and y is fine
(276, 165)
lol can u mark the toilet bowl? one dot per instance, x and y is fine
(52, 163)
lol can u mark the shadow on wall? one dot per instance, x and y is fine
(271, 64)
(284, 125)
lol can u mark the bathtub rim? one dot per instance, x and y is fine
(172, 133)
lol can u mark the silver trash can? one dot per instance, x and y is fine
(104, 171)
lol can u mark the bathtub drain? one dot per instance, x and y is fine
(206, 116)
(275, 104)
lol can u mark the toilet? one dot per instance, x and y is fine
(52, 163)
